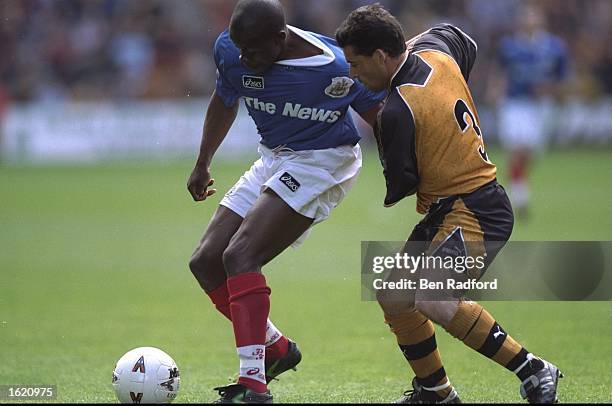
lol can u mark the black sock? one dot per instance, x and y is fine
(530, 368)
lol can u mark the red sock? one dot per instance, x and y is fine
(278, 350)
(517, 171)
(220, 298)
(250, 305)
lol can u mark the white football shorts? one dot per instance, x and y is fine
(311, 182)
(524, 123)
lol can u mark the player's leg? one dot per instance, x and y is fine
(267, 230)
(519, 161)
(476, 328)
(487, 214)
(269, 227)
(415, 335)
(206, 264)
(302, 191)
(521, 130)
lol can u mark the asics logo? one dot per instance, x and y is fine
(499, 332)
(290, 182)
(253, 82)
(252, 371)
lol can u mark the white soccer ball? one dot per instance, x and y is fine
(146, 375)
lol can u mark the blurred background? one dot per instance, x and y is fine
(91, 79)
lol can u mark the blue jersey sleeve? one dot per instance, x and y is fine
(365, 99)
(224, 89)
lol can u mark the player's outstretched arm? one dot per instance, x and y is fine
(219, 119)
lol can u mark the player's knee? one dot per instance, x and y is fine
(439, 311)
(392, 303)
(194, 264)
(205, 263)
(425, 307)
(197, 262)
(238, 259)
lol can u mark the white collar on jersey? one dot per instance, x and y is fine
(400, 66)
(316, 60)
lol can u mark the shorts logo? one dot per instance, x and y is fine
(290, 182)
(253, 82)
(231, 191)
(339, 87)
(499, 333)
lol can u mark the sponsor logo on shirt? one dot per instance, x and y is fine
(295, 110)
(253, 82)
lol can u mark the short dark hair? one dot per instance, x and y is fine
(258, 18)
(369, 28)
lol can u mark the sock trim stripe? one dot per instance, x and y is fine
(396, 328)
(517, 360)
(492, 344)
(473, 325)
(438, 388)
(507, 352)
(529, 358)
(427, 365)
(478, 334)
(419, 350)
(433, 379)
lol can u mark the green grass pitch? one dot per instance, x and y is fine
(93, 262)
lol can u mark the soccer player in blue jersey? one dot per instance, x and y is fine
(296, 87)
(534, 65)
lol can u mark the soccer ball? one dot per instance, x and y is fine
(146, 375)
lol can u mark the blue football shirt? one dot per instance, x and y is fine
(530, 62)
(301, 103)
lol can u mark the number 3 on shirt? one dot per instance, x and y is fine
(461, 110)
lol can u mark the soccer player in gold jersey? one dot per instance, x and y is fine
(430, 143)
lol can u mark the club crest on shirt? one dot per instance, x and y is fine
(339, 87)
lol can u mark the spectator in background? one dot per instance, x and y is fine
(65, 50)
(534, 65)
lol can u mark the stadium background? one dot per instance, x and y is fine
(101, 105)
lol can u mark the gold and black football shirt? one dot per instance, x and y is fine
(428, 132)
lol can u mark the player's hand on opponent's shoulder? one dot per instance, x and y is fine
(199, 182)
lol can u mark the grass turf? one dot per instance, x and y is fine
(93, 262)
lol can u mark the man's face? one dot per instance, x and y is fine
(369, 70)
(258, 53)
(532, 20)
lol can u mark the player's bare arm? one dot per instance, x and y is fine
(370, 116)
(217, 123)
